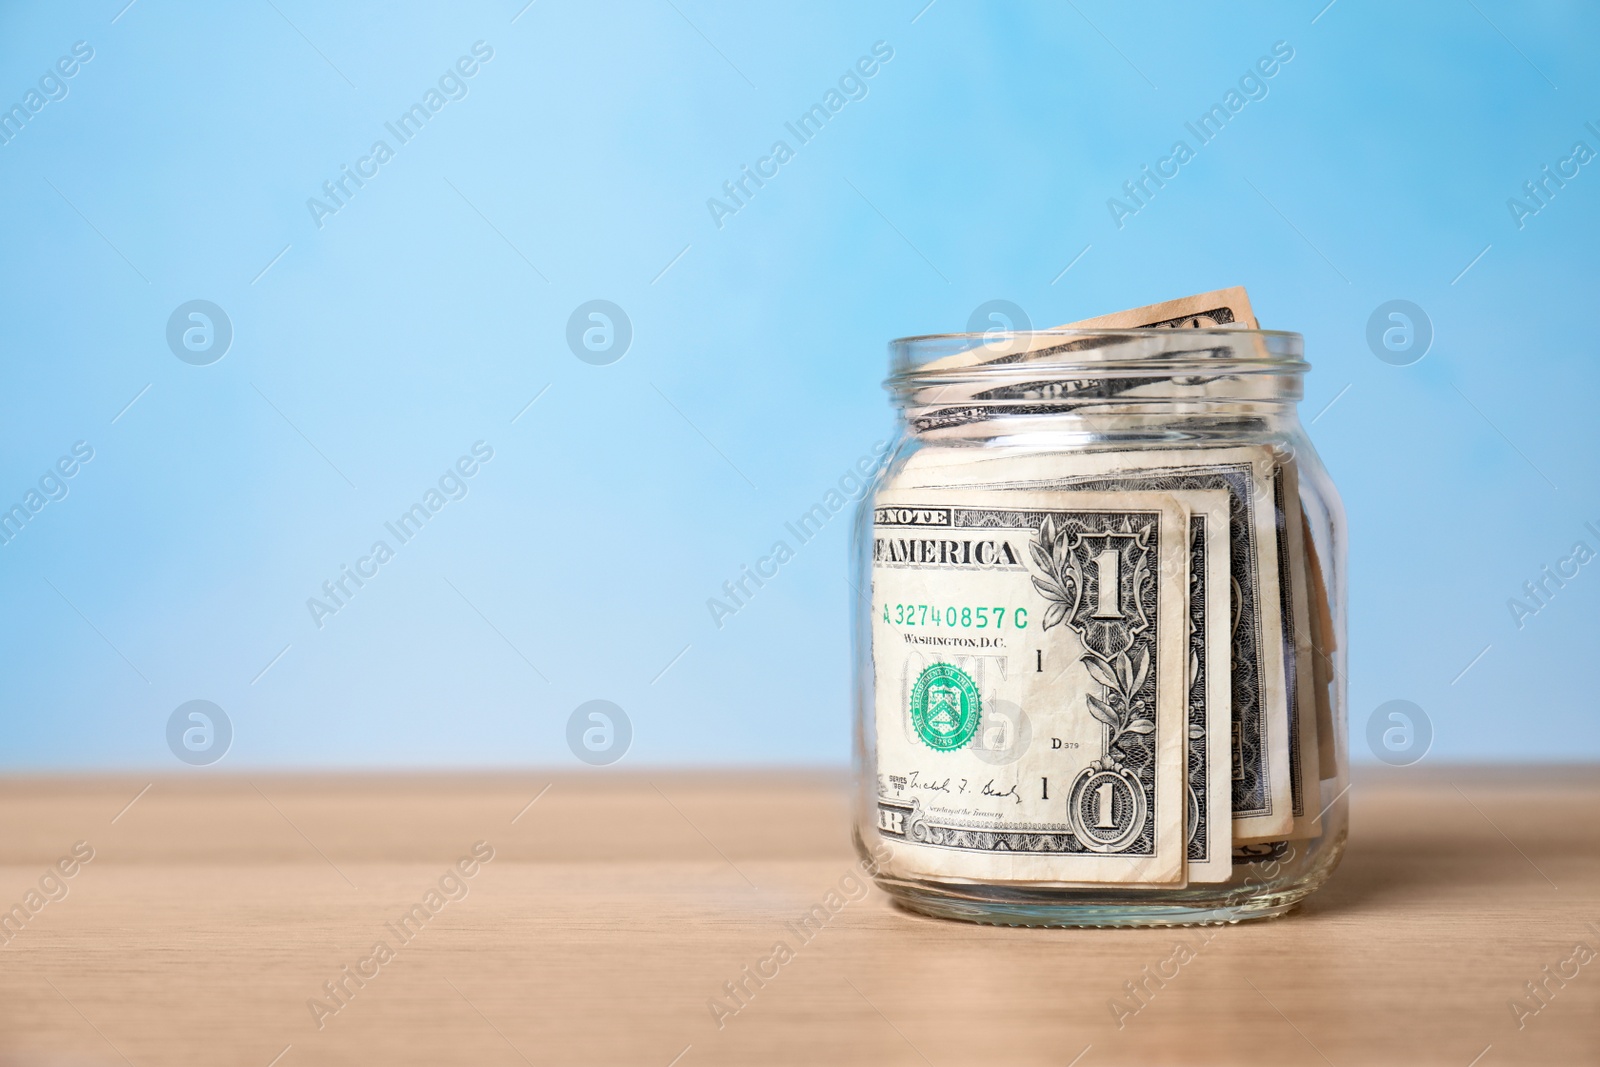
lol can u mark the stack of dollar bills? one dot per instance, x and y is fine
(1096, 662)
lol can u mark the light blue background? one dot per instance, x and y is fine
(415, 322)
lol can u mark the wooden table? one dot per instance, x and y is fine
(616, 906)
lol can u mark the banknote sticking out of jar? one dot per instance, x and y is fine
(1100, 654)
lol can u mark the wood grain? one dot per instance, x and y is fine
(617, 906)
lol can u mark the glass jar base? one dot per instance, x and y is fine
(1090, 913)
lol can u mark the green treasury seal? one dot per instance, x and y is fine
(945, 707)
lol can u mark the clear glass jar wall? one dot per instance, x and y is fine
(960, 730)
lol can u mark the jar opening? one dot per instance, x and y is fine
(1147, 352)
(953, 379)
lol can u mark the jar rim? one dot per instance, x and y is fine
(1289, 336)
(1069, 351)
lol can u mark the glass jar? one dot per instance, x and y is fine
(1017, 701)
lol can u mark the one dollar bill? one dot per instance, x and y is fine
(1030, 671)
